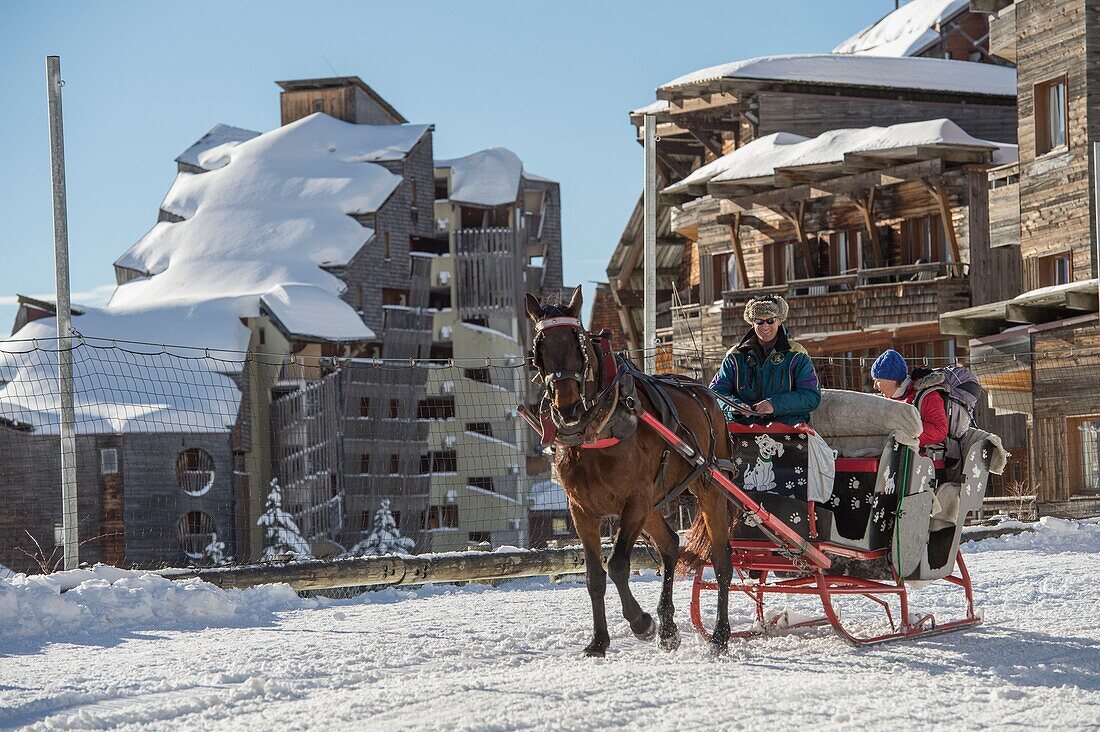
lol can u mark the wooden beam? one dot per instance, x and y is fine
(631, 259)
(626, 320)
(707, 141)
(1032, 314)
(1084, 301)
(738, 254)
(673, 166)
(797, 219)
(939, 192)
(866, 205)
(679, 147)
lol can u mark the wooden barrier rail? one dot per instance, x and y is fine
(321, 574)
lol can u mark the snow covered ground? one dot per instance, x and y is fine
(131, 651)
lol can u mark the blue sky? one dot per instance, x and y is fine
(553, 81)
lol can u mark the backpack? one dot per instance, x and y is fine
(960, 390)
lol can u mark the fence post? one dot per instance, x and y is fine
(649, 196)
(1096, 209)
(70, 540)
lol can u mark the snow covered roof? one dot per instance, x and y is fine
(486, 178)
(920, 74)
(905, 32)
(217, 136)
(758, 161)
(661, 105)
(310, 311)
(257, 228)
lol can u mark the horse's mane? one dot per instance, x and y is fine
(554, 310)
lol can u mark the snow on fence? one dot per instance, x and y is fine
(199, 458)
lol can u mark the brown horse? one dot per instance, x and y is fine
(626, 480)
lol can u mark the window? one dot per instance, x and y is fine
(425, 464)
(1051, 112)
(441, 350)
(481, 428)
(441, 189)
(777, 264)
(364, 406)
(108, 461)
(195, 471)
(922, 241)
(442, 407)
(441, 517)
(58, 533)
(393, 408)
(395, 296)
(318, 105)
(196, 531)
(439, 299)
(480, 374)
(395, 464)
(386, 243)
(485, 484)
(559, 526)
(1054, 269)
(479, 537)
(445, 461)
(359, 297)
(843, 252)
(364, 463)
(1083, 436)
(263, 336)
(724, 272)
(413, 181)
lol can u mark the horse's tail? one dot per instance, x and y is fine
(696, 549)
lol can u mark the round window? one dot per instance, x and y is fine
(196, 532)
(195, 471)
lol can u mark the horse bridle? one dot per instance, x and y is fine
(588, 368)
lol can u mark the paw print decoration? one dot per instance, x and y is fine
(856, 503)
(796, 518)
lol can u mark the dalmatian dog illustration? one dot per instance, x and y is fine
(761, 477)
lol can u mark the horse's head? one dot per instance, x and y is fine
(562, 354)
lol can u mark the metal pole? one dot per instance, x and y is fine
(64, 329)
(649, 301)
(1096, 209)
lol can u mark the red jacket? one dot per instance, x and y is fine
(933, 416)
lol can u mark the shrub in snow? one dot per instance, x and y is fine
(215, 552)
(281, 533)
(385, 537)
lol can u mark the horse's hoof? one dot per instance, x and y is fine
(670, 641)
(650, 631)
(719, 649)
(594, 651)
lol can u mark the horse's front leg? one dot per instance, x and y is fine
(716, 518)
(668, 545)
(588, 530)
(630, 528)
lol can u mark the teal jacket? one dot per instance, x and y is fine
(786, 379)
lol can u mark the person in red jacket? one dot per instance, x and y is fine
(893, 380)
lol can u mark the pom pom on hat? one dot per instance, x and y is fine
(765, 307)
(890, 365)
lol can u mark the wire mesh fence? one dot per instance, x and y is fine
(188, 457)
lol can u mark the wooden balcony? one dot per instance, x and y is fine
(1002, 31)
(871, 297)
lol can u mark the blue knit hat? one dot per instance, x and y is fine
(890, 365)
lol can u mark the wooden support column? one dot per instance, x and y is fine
(865, 203)
(738, 253)
(939, 192)
(671, 166)
(796, 220)
(705, 138)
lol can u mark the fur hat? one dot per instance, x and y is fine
(890, 365)
(765, 307)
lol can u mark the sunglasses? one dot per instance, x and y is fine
(769, 321)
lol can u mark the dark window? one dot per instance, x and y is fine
(442, 517)
(263, 337)
(436, 408)
(481, 428)
(393, 409)
(364, 463)
(439, 299)
(366, 521)
(922, 241)
(364, 406)
(413, 181)
(775, 264)
(476, 321)
(359, 297)
(386, 244)
(442, 350)
(485, 484)
(425, 465)
(195, 471)
(480, 374)
(318, 105)
(481, 536)
(445, 462)
(440, 189)
(196, 531)
(395, 464)
(1051, 113)
(1055, 269)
